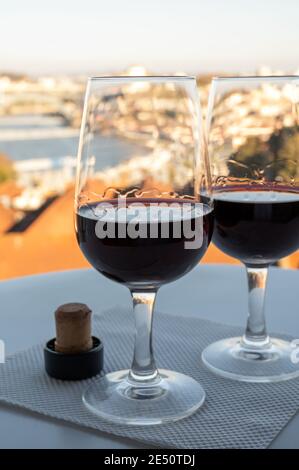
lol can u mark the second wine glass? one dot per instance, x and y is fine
(254, 147)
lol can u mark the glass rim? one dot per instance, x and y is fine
(255, 77)
(161, 78)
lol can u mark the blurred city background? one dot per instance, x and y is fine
(47, 51)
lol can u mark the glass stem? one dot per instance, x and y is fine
(256, 335)
(143, 368)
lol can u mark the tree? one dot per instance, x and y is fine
(7, 171)
(277, 158)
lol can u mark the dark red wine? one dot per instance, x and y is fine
(159, 254)
(257, 227)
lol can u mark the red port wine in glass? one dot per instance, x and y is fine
(158, 253)
(257, 227)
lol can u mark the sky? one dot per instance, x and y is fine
(193, 36)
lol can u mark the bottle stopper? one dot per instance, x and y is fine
(74, 354)
(73, 328)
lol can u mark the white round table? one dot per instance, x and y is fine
(215, 292)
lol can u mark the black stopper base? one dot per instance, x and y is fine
(78, 366)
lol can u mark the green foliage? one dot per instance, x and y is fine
(6, 169)
(277, 157)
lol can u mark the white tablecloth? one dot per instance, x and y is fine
(215, 292)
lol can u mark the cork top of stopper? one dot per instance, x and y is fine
(73, 328)
(72, 311)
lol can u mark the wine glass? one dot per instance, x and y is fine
(253, 138)
(143, 218)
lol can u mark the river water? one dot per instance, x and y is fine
(37, 136)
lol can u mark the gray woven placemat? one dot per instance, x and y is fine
(235, 415)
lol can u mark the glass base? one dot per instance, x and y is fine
(173, 397)
(231, 359)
